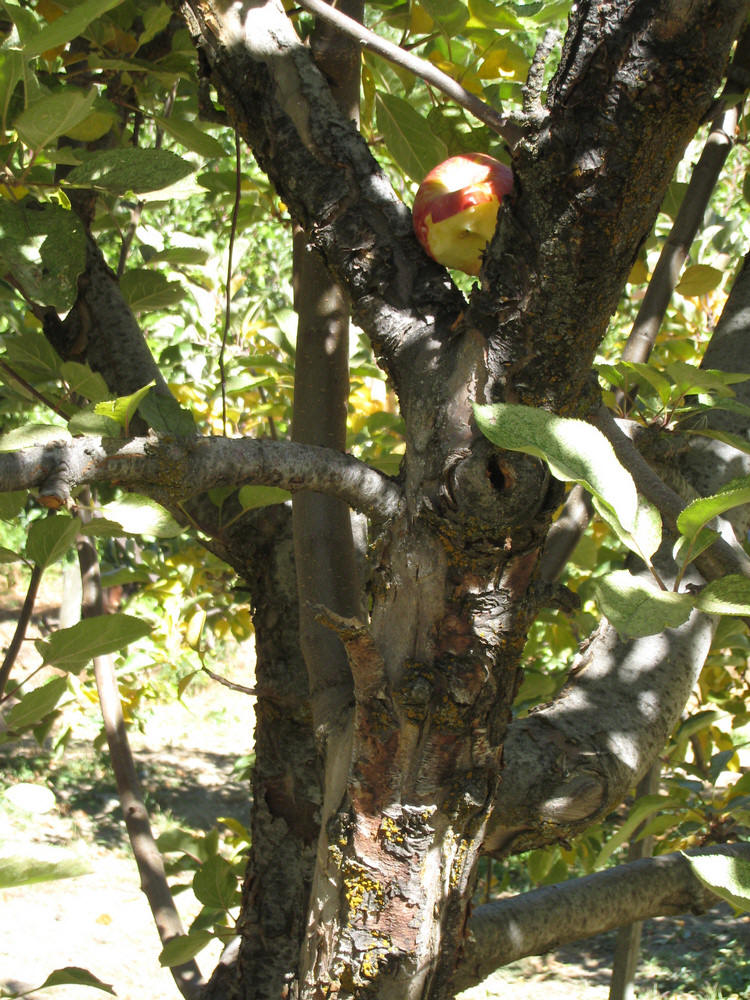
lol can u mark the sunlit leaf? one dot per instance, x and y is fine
(22, 870)
(36, 704)
(728, 877)
(139, 515)
(122, 409)
(636, 608)
(729, 595)
(261, 496)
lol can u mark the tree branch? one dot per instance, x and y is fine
(174, 470)
(421, 68)
(187, 975)
(536, 922)
(569, 763)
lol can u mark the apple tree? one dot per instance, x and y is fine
(395, 604)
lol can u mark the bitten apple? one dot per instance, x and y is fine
(456, 208)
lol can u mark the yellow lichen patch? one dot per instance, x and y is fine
(363, 891)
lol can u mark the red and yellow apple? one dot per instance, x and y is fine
(455, 210)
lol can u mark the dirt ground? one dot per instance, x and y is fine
(186, 756)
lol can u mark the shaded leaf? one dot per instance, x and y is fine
(36, 704)
(53, 115)
(215, 884)
(44, 247)
(72, 648)
(89, 422)
(71, 975)
(130, 169)
(144, 290)
(73, 23)
(182, 948)
(165, 415)
(51, 538)
(410, 140)
(11, 504)
(699, 279)
(261, 496)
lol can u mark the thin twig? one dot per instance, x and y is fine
(421, 68)
(21, 625)
(34, 392)
(227, 683)
(228, 293)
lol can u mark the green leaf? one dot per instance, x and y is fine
(44, 247)
(699, 279)
(21, 870)
(730, 595)
(645, 537)
(36, 705)
(8, 556)
(139, 515)
(410, 140)
(145, 290)
(123, 408)
(83, 382)
(215, 884)
(131, 169)
(51, 538)
(449, 15)
(636, 608)
(261, 496)
(88, 422)
(701, 511)
(191, 137)
(728, 877)
(575, 452)
(33, 434)
(642, 808)
(67, 27)
(12, 67)
(165, 415)
(685, 550)
(31, 354)
(71, 975)
(71, 648)
(494, 15)
(11, 504)
(726, 437)
(182, 948)
(53, 115)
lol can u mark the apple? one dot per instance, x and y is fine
(455, 210)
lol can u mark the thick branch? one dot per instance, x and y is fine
(539, 921)
(573, 760)
(176, 470)
(325, 173)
